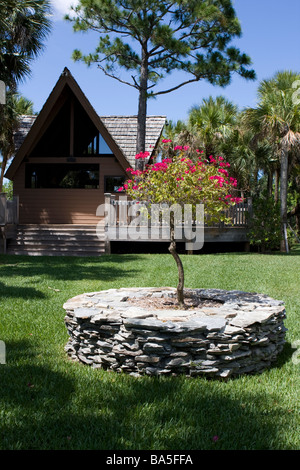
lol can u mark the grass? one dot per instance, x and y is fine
(48, 402)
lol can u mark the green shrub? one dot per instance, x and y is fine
(264, 225)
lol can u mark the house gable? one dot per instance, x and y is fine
(58, 117)
(117, 132)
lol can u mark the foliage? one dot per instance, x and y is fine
(191, 36)
(149, 39)
(8, 189)
(24, 25)
(16, 105)
(276, 118)
(214, 120)
(264, 229)
(182, 180)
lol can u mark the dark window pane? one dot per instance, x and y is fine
(73, 176)
(113, 183)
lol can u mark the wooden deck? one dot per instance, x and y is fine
(94, 239)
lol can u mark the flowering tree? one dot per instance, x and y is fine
(180, 179)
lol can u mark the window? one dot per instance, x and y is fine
(67, 176)
(98, 146)
(113, 183)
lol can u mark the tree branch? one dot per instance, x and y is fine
(196, 79)
(117, 78)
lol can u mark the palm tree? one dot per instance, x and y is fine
(247, 158)
(16, 106)
(24, 26)
(277, 119)
(213, 121)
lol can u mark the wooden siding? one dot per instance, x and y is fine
(63, 206)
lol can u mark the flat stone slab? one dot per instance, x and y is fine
(233, 331)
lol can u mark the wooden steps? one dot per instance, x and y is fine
(58, 240)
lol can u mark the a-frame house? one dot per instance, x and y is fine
(67, 157)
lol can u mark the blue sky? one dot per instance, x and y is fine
(271, 37)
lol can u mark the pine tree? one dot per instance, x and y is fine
(149, 39)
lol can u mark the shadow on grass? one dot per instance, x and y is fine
(108, 268)
(19, 292)
(70, 406)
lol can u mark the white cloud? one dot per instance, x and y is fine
(62, 7)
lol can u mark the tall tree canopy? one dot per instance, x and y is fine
(24, 26)
(213, 121)
(277, 118)
(152, 38)
(16, 105)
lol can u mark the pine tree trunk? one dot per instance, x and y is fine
(172, 250)
(142, 109)
(283, 198)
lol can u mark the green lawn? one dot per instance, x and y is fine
(48, 402)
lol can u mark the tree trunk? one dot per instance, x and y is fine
(276, 190)
(270, 183)
(172, 250)
(142, 109)
(283, 198)
(3, 168)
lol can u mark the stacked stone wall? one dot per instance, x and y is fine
(243, 333)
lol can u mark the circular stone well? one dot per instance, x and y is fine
(142, 331)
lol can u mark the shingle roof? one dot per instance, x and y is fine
(26, 123)
(123, 129)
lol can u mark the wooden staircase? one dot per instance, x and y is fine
(58, 240)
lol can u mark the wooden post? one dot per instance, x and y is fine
(250, 207)
(3, 209)
(109, 220)
(113, 210)
(3, 219)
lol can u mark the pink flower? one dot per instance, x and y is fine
(215, 438)
(121, 189)
(142, 155)
(178, 147)
(225, 172)
(165, 141)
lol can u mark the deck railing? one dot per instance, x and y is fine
(9, 219)
(120, 213)
(9, 210)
